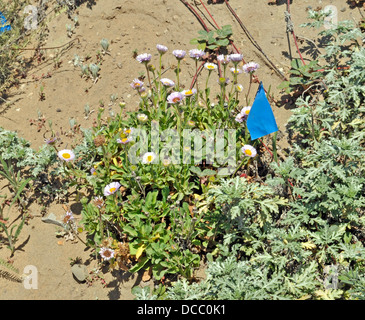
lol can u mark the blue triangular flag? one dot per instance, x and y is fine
(4, 26)
(261, 120)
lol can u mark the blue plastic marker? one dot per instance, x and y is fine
(261, 120)
(4, 26)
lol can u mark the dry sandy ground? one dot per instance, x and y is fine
(128, 25)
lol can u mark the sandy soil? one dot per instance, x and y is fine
(128, 25)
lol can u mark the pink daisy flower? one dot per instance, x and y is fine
(179, 54)
(250, 67)
(175, 97)
(144, 58)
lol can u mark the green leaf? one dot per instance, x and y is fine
(208, 172)
(196, 170)
(143, 261)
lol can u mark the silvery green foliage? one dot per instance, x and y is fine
(244, 203)
(143, 293)
(17, 149)
(323, 223)
(356, 281)
(245, 280)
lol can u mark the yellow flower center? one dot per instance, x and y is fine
(149, 158)
(248, 152)
(247, 111)
(112, 189)
(66, 155)
(189, 92)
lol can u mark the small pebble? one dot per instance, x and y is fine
(58, 110)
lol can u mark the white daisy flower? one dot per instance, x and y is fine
(111, 188)
(148, 157)
(142, 117)
(189, 93)
(249, 151)
(191, 123)
(236, 71)
(106, 253)
(66, 155)
(210, 66)
(239, 87)
(128, 131)
(166, 162)
(245, 111)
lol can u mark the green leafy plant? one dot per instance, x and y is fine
(12, 238)
(302, 76)
(9, 272)
(213, 40)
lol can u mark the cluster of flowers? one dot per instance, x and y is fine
(195, 54)
(174, 97)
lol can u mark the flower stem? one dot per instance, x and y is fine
(178, 75)
(249, 88)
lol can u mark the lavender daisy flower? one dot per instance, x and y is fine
(136, 84)
(144, 58)
(167, 82)
(124, 140)
(240, 117)
(236, 57)
(250, 67)
(161, 49)
(141, 89)
(68, 217)
(93, 171)
(98, 201)
(179, 54)
(175, 97)
(223, 59)
(196, 54)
